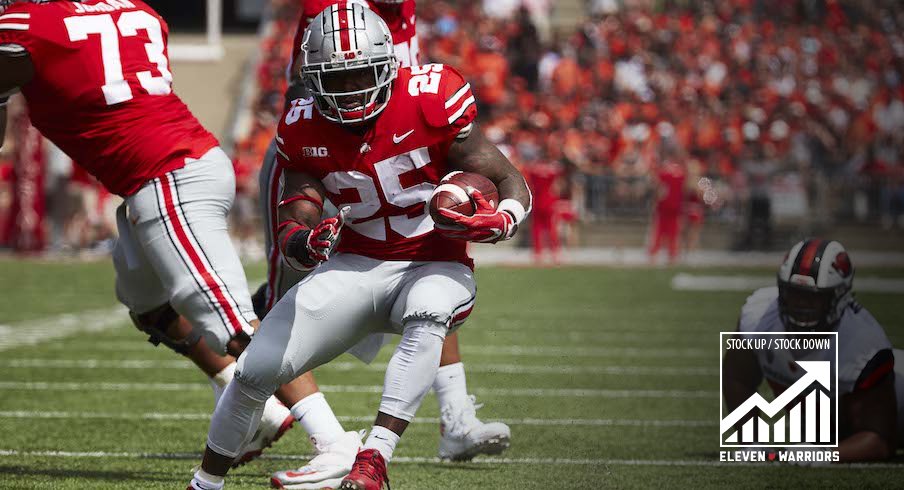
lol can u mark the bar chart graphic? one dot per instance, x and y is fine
(805, 413)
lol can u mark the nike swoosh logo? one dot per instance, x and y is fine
(399, 139)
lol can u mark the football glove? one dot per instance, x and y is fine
(486, 225)
(313, 246)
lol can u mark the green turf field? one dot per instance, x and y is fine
(608, 377)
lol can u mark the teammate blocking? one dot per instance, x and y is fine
(376, 140)
(95, 76)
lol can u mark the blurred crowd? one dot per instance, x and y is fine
(772, 108)
(769, 110)
(750, 97)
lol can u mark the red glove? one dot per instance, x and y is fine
(311, 247)
(487, 225)
(325, 236)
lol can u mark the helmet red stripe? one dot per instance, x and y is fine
(808, 257)
(344, 27)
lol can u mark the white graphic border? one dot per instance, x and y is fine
(791, 334)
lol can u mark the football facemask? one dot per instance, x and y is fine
(350, 95)
(804, 309)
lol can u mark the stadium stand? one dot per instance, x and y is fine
(777, 111)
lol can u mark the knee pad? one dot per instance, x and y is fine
(207, 323)
(259, 380)
(156, 324)
(420, 327)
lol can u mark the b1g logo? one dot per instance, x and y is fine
(802, 369)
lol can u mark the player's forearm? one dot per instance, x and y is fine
(477, 154)
(865, 446)
(296, 213)
(300, 208)
(514, 187)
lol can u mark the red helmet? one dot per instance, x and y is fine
(815, 284)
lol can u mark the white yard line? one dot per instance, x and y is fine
(499, 350)
(529, 351)
(515, 369)
(695, 282)
(501, 392)
(427, 460)
(38, 331)
(30, 414)
(42, 330)
(638, 257)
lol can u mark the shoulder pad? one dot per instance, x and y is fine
(860, 340)
(755, 307)
(445, 98)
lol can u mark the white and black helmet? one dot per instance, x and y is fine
(815, 284)
(348, 63)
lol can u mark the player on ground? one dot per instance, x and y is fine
(376, 140)
(95, 76)
(463, 435)
(815, 294)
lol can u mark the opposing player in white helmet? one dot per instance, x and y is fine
(815, 294)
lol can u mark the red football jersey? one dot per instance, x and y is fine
(671, 181)
(102, 89)
(401, 19)
(388, 170)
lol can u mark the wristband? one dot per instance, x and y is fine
(296, 246)
(514, 208)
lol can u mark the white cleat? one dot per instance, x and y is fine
(275, 421)
(327, 469)
(465, 436)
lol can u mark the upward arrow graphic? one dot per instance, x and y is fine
(818, 371)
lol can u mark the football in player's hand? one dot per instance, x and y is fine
(454, 193)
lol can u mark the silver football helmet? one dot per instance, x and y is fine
(815, 284)
(348, 63)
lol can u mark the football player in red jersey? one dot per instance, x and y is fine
(376, 140)
(95, 76)
(463, 435)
